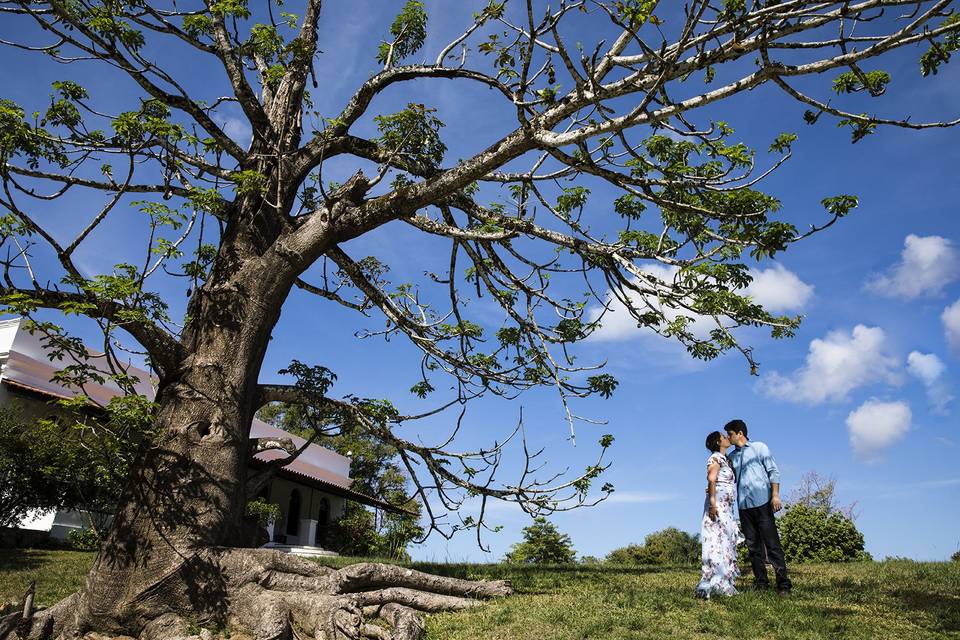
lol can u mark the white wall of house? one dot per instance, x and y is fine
(305, 526)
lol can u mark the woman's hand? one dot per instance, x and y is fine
(713, 511)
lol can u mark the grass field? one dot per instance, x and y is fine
(894, 600)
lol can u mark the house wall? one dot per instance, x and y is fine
(280, 492)
(27, 406)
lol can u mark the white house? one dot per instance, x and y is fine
(311, 491)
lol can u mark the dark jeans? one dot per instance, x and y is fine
(760, 530)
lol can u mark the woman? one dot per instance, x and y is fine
(719, 530)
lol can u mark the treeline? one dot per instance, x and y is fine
(813, 528)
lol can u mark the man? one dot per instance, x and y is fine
(758, 497)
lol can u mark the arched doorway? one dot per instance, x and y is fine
(293, 513)
(323, 521)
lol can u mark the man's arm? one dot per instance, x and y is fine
(773, 474)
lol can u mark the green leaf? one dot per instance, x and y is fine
(413, 133)
(604, 384)
(409, 30)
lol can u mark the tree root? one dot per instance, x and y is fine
(269, 595)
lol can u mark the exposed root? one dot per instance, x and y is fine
(30, 624)
(269, 595)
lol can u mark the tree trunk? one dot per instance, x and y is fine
(187, 492)
(165, 568)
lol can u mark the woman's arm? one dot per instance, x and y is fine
(713, 470)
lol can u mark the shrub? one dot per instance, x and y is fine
(84, 539)
(355, 534)
(542, 544)
(956, 556)
(811, 534)
(670, 547)
(265, 512)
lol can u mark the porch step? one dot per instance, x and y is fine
(300, 550)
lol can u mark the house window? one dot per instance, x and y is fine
(293, 513)
(323, 518)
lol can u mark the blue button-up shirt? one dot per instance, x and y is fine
(756, 471)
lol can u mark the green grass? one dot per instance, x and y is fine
(57, 573)
(895, 600)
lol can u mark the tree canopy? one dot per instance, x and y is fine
(667, 547)
(70, 459)
(624, 112)
(542, 543)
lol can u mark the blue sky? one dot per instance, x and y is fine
(864, 393)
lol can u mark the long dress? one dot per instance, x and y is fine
(719, 538)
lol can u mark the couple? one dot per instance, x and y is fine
(749, 480)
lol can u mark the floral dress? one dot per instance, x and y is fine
(720, 537)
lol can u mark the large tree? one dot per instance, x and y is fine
(615, 94)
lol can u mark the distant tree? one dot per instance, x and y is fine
(542, 544)
(819, 492)
(22, 459)
(814, 529)
(77, 458)
(956, 556)
(668, 547)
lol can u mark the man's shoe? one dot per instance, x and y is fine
(784, 593)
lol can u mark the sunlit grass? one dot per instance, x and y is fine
(896, 600)
(57, 573)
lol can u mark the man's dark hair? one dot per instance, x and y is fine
(736, 426)
(713, 441)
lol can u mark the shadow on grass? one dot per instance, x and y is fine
(463, 570)
(944, 609)
(21, 560)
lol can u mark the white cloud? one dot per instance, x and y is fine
(776, 289)
(929, 369)
(237, 129)
(618, 324)
(779, 290)
(926, 366)
(951, 325)
(836, 365)
(927, 264)
(876, 425)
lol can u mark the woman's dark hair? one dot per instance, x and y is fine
(736, 426)
(713, 441)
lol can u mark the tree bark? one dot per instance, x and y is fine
(187, 492)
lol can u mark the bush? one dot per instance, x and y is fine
(355, 534)
(265, 512)
(668, 547)
(811, 534)
(84, 539)
(542, 544)
(956, 556)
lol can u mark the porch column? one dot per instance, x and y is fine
(308, 532)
